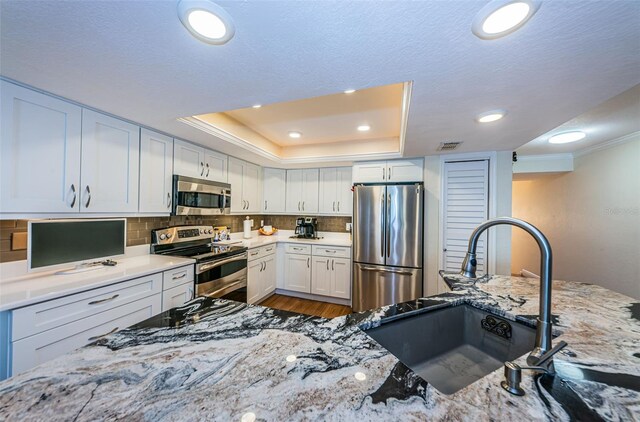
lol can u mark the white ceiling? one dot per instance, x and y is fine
(611, 120)
(135, 59)
(330, 118)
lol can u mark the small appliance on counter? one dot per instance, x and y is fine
(306, 228)
(220, 270)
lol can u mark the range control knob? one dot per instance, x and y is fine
(169, 235)
(209, 231)
(163, 236)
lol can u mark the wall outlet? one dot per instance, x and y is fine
(348, 227)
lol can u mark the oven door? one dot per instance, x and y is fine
(223, 278)
(200, 197)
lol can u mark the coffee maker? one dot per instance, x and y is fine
(306, 228)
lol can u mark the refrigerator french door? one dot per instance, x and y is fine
(387, 244)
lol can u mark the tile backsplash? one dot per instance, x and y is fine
(139, 228)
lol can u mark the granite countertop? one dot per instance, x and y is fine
(219, 360)
(33, 288)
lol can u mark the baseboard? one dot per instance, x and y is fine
(319, 298)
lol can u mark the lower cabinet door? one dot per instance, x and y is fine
(269, 275)
(341, 278)
(297, 272)
(254, 274)
(34, 350)
(177, 296)
(321, 276)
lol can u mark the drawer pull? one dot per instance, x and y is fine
(109, 299)
(297, 249)
(94, 338)
(183, 275)
(255, 253)
(330, 251)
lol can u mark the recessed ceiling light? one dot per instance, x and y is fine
(256, 106)
(349, 91)
(566, 137)
(490, 116)
(295, 135)
(363, 128)
(502, 17)
(206, 21)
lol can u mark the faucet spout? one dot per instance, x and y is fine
(543, 330)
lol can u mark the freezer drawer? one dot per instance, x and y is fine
(375, 286)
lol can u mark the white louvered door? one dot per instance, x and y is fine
(466, 205)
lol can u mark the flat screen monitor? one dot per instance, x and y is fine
(58, 243)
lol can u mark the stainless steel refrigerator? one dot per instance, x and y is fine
(387, 244)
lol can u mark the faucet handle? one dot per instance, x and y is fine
(548, 354)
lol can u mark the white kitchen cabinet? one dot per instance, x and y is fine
(321, 276)
(201, 163)
(254, 270)
(340, 278)
(246, 184)
(409, 170)
(177, 296)
(261, 273)
(34, 350)
(40, 143)
(302, 191)
(297, 272)
(274, 190)
(269, 275)
(335, 195)
(110, 164)
(156, 172)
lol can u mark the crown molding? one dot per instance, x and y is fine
(607, 144)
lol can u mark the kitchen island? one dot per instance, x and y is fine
(220, 360)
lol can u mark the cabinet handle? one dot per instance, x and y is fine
(334, 205)
(73, 191)
(190, 293)
(208, 169)
(265, 265)
(254, 253)
(248, 204)
(332, 264)
(327, 265)
(94, 338)
(168, 199)
(338, 206)
(302, 205)
(298, 205)
(88, 197)
(297, 249)
(202, 171)
(389, 173)
(308, 259)
(265, 205)
(330, 251)
(382, 173)
(109, 299)
(183, 275)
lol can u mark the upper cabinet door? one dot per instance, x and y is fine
(371, 172)
(188, 159)
(156, 171)
(405, 170)
(251, 184)
(294, 191)
(110, 164)
(327, 196)
(310, 182)
(344, 194)
(40, 149)
(215, 166)
(273, 192)
(235, 180)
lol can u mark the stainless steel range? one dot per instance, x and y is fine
(221, 270)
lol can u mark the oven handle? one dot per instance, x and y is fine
(227, 287)
(206, 267)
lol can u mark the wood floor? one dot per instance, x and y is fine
(306, 306)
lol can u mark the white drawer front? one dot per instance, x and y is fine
(177, 276)
(34, 350)
(332, 251)
(297, 248)
(44, 316)
(254, 254)
(177, 296)
(268, 250)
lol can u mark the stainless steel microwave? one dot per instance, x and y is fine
(200, 197)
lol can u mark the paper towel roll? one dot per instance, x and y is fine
(246, 225)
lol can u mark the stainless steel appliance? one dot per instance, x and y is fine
(387, 244)
(220, 270)
(200, 197)
(306, 228)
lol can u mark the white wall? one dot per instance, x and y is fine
(591, 216)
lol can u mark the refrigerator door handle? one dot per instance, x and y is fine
(382, 229)
(385, 270)
(388, 225)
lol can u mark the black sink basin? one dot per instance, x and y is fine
(453, 347)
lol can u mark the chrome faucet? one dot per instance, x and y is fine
(543, 330)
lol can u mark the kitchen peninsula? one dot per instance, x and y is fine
(222, 360)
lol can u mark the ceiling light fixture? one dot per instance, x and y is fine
(502, 17)
(349, 91)
(256, 106)
(295, 135)
(206, 21)
(490, 116)
(363, 128)
(566, 137)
